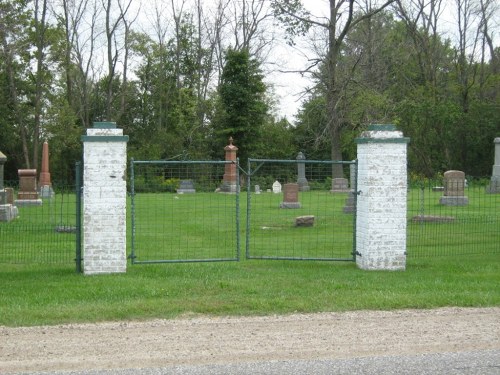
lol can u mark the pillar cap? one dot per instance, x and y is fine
(3, 158)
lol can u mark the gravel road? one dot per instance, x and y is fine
(265, 345)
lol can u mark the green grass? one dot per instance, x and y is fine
(442, 267)
(39, 294)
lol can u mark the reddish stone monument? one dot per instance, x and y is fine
(290, 196)
(27, 194)
(44, 183)
(230, 179)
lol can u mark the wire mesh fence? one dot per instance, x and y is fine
(44, 229)
(179, 213)
(464, 223)
(295, 210)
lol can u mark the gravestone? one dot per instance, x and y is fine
(186, 187)
(340, 185)
(27, 194)
(301, 173)
(44, 183)
(350, 203)
(494, 187)
(230, 178)
(257, 189)
(454, 189)
(3, 198)
(276, 187)
(304, 221)
(8, 211)
(290, 196)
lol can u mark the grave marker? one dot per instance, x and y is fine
(301, 173)
(186, 187)
(454, 186)
(27, 194)
(290, 196)
(494, 187)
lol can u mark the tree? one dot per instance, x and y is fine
(344, 15)
(242, 108)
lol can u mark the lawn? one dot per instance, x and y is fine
(449, 264)
(39, 294)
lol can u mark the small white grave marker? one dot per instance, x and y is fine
(276, 187)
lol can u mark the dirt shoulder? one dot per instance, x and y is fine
(203, 340)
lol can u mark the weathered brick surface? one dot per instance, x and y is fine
(104, 203)
(381, 205)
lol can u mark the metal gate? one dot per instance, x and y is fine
(296, 211)
(180, 212)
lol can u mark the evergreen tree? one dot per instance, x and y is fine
(242, 108)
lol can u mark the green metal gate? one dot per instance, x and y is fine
(316, 222)
(179, 212)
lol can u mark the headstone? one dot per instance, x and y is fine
(3, 198)
(454, 186)
(186, 187)
(44, 183)
(27, 194)
(340, 185)
(230, 178)
(276, 187)
(8, 211)
(257, 189)
(350, 203)
(290, 196)
(301, 173)
(8, 195)
(494, 187)
(304, 221)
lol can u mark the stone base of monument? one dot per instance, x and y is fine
(8, 212)
(227, 187)
(28, 202)
(454, 200)
(46, 192)
(304, 221)
(494, 187)
(349, 204)
(432, 219)
(290, 205)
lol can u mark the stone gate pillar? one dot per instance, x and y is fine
(104, 199)
(381, 203)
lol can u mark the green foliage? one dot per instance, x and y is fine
(242, 109)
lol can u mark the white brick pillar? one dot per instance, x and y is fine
(104, 199)
(381, 203)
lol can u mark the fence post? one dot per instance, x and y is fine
(104, 199)
(381, 203)
(78, 202)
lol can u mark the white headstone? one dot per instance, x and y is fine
(276, 187)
